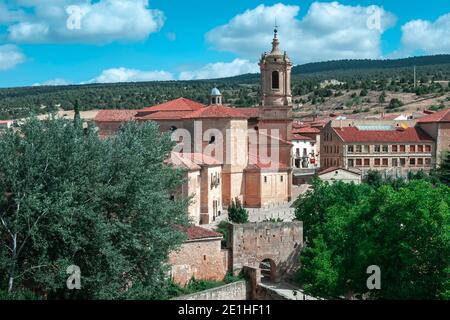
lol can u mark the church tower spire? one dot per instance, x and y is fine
(276, 99)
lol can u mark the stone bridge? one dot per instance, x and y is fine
(272, 247)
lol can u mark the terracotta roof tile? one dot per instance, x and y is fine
(164, 115)
(331, 169)
(180, 104)
(300, 137)
(201, 159)
(255, 163)
(440, 116)
(353, 134)
(177, 160)
(115, 115)
(198, 233)
(305, 130)
(216, 111)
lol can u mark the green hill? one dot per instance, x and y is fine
(241, 90)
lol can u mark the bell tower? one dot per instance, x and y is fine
(276, 99)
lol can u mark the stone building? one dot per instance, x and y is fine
(392, 148)
(203, 185)
(200, 257)
(437, 125)
(334, 174)
(235, 137)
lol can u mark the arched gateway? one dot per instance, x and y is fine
(274, 248)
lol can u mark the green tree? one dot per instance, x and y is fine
(395, 103)
(382, 97)
(443, 172)
(71, 198)
(373, 178)
(404, 231)
(236, 212)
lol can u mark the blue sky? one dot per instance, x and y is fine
(136, 40)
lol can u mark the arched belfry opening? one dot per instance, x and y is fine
(268, 270)
(275, 80)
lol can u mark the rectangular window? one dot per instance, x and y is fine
(385, 148)
(367, 148)
(377, 148)
(402, 162)
(377, 162)
(350, 163)
(385, 162)
(412, 161)
(427, 148)
(281, 178)
(359, 148)
(394, 162)
(394, 148)
(412, 148)
(265, 179)
(427, 162)
(420, 161)
(402, 148)
(350, 149)
(367, 162)
(420, 148)
(358, 162)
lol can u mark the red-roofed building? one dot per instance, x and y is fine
(109, 121)
(393, 150)
(200, 256)
(437, 125)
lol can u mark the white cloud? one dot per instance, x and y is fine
(53, 82)
(329, 31)
(130, 75)
(432, 37)
(10, 56)
(220, 70)
(86, 21)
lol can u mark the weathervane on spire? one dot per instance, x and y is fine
(275, 31)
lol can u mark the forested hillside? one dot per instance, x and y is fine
(241, 91)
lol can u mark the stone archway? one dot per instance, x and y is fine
(268, 269)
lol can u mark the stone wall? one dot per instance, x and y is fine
(251, 243)
(233, 291)
(202, 259)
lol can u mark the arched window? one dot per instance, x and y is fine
(275, 80)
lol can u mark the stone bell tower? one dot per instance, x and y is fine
(276, 100)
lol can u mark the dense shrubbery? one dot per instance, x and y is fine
(402, 227)
(70, 198)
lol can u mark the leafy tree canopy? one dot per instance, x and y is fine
(68, 197)
(405, 231)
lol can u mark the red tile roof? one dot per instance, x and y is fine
(255, 163)
(331, 169)
(180, 104)
(250, 112)
(201, 159)
(165, 115)
(353, 134)
(216, 111)
(305, 130)
(115, 115)
(300, 137)
(440, 116)
(177, 160)
(198, 233)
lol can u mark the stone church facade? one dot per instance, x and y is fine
(252, 144)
